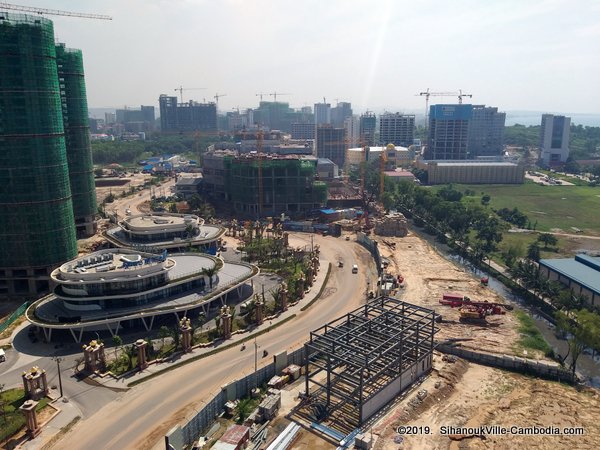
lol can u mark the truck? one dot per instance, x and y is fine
(453, 299)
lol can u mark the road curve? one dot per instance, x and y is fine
(140, 417)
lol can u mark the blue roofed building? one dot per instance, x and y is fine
(580, 274)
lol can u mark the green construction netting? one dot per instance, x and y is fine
(36, 214)
(77, 136)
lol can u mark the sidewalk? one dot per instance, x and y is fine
(122, 382)
(68, 412)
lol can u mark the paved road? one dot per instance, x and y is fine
(140, 417)
(122, 204)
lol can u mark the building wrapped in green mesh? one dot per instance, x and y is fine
(288, 185)
(77, 137)
(37, 228)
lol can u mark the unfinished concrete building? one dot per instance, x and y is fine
(358, 363)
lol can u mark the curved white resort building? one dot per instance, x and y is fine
(107, 288)
(165, 230)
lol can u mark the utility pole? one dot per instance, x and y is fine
(255, 363)
(58, 361)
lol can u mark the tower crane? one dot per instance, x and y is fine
(181, 89)
(260, 94)
(275, 94)
(52, 12)
(428, 94)
(461, 95)
(218, 96)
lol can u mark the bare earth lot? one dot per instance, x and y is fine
(428, 275)
(467, 394)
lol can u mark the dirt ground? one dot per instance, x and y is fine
(468, 395)
(427, 275)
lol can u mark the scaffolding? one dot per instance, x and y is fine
(77, 137)
(36, 214)
(288, 184)
(359, 362)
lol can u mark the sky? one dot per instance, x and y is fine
(534, 55)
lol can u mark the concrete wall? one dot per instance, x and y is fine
(395, 387)
(543, 369)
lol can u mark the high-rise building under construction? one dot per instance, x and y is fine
(77, 138)
(40, 97)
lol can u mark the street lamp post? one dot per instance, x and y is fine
(255, 363)
(58, 361)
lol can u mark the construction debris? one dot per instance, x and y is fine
(391, 225)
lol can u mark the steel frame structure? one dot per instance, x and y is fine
(360, 361)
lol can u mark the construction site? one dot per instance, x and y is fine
(359, 362)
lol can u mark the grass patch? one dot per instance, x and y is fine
(212, 352)
(531, 337)
(14, 419)
(308, 305)
(552, 206)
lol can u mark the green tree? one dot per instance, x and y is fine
(533, 251)
(117, 342)
(547, 239)
(388, 200)
(129, 352)
(163, 333)
(485, 199)
(583, 330)
(243, 409)
(173, 207)
(175, 334)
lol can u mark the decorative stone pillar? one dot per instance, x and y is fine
(226, 322)
(286, 239)
(142, 360)
(93, 355)
(260, 310)
(284, 296)
(35, 383)
(186, 334)
(300, 287)
(28, 409)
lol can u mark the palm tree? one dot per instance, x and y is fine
(276, 294)
(117, 342)
(210, 273)
(129, 351)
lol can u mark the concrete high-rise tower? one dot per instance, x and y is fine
(555, 139)
(322, 114)
(367, 125)
(37, 226)
(330, 143)
(486, 132)
(77, 138)
(448, 132)
(397, 129)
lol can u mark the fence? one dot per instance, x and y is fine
(184, 435)
(14, 316)
(370, 245)
(543, 369)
